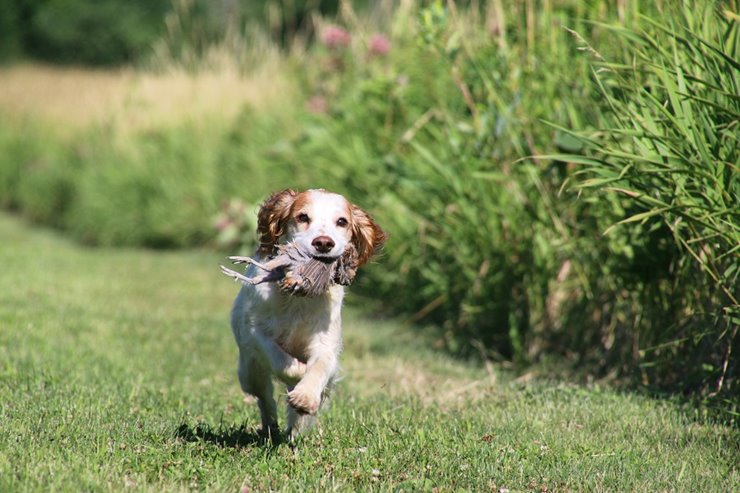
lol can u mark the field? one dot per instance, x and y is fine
(118, 372)
(70, 99)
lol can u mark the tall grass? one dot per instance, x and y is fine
(508, 255)
(670, 147)
(144, 158)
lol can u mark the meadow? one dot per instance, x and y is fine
(118, 373)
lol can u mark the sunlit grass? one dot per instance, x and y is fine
(70, 98)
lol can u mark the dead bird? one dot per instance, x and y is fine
(299, 273)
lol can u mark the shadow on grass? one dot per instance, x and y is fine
(233, 437)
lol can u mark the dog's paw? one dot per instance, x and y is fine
(293, 374)
(303, 402)
(269, 434)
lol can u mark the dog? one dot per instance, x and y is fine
(296, 339)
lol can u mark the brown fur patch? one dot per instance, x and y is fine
(272, 218)
(367, 236)
(300, 203)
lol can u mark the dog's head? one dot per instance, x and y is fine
(320, 222)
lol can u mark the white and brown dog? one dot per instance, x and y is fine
(298, 339)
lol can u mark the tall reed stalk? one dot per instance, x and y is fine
(669, 147)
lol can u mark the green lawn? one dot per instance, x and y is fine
(117, 371)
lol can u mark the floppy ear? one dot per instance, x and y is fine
(272, 218)
(367, 236)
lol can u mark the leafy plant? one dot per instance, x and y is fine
(669, 149)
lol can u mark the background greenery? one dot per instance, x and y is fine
(559, 177)
(111, 32)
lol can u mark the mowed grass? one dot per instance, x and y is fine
(117, 372)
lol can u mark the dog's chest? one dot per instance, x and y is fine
(296, 323)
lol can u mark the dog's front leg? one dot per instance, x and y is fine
(284, 366)
(322, 366)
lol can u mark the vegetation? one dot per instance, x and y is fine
(102, 33)
(558, 178)
(111, 381)
(670, 146)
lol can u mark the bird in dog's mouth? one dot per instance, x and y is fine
(299, 273)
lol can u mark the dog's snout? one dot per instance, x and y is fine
(323, 244)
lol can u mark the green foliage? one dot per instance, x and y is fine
(437, 134)
(37, 174)
(158, 188)
(670, 152)
(10, 45)
(100, 33)
(17, 148)
(236, 223)
(508, 255)
(159, 193)
(116, 32)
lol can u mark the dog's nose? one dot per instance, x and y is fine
(323, 244)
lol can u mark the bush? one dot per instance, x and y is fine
(10, 39)
(437, 133)
(509, 256)
(159, 187)
(36, 175)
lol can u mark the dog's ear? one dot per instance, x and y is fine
(367, 237)
(272, 219)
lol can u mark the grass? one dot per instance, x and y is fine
(117, 371)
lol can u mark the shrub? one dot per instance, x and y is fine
(36, 172)
(16, 147)
(10, 39)
(436, 133)
(158, 190)
(509, 256)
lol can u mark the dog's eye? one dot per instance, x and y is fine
(302, 218)
(342, 222)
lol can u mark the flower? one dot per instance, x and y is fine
(379, 45)
(317, 104)
(334, 37)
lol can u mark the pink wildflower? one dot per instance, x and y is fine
(222, 223)
(379, 45)
(335, 37)
(317, 104)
